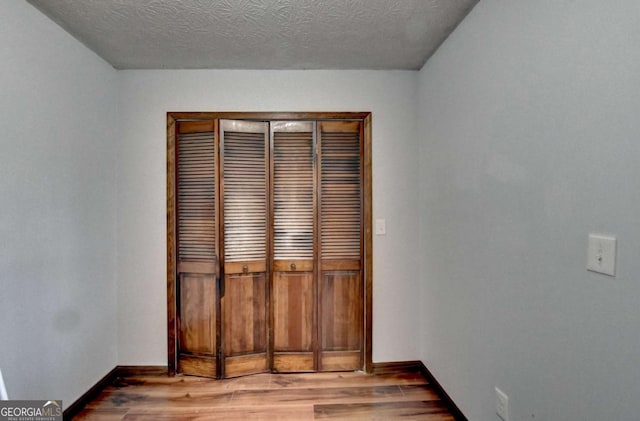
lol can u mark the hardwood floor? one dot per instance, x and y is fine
(295, 397)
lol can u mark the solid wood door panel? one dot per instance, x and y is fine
(341, 319)
(197, 365)
(243, 365)
(293, 362)
(197, 322)
(249, 266)
(197, 314)
(293, 322)
(244, 323)
(340, 360)
(293, 266)
(245, 314)
(292, 311)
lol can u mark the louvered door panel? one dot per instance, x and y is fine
(341, 291)
(197, 248)
(293, 178)
(293, 291)
(196, 192)
(245, 212)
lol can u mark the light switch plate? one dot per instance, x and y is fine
(601, 254)
(381, 227)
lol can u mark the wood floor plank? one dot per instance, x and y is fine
(270, 397)
(423, 392)
(318, 395)
(414, 410)
(155, 399)
(317, 380)
(299, 413)
(112, 414)
(257, 381)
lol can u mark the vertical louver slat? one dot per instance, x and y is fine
(293, 191)
(196, 192)
(245, 195)
(340, 222)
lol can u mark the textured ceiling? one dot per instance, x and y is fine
(260, 34)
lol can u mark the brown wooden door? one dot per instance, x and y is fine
(197, 249)
(293, 292)
(341, 291)
(279, 216)
(244, 146)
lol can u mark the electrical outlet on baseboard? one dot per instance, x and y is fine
(502, 404)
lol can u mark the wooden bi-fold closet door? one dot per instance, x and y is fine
(197, 248)
(245, 196)
(341, 297)
(293, 294)
(269, 245)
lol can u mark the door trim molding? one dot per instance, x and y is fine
(172, 266)
(368, 247)
(172, 118)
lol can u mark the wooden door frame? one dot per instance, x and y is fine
(172, 118)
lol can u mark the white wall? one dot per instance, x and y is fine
(530, 139)
(146, 96)
(57, 217)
